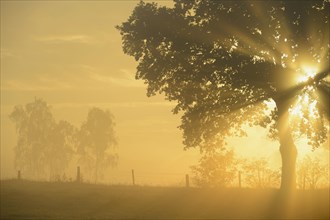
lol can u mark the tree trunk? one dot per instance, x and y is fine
(288, 149)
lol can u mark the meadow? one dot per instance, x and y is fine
(46, 200)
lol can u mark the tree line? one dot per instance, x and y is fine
(45, 146)
(225, 169)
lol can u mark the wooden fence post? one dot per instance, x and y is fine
(187, 180)
(239, 179)
(78, 174)
(19, 175)
(304, 183)
(133, 177)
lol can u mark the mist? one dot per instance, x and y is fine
(164, 109)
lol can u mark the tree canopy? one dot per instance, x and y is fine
(43, 144)
(46, 147)
(223, 61)
(96, 138)
(216, 170)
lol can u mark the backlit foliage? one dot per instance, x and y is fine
(221, 61)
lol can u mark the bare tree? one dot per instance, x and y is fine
(257, 174)
(310, 172)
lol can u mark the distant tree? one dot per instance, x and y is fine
(60, 148)
(257, 174)
(96, 139)
(222, 61)
(217, 169)
(42, 144)
(310, 172)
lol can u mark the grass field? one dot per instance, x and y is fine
(43, 200)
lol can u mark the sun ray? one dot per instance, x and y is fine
(307, 73)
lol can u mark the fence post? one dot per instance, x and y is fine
(187, 180)
(19, 174)
(304, 182)
(239, 179)
(78, 174)
(133, 177)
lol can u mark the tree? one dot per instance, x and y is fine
(96, 138)
(223, 61)
(42, 143)
(217, 169)
(60, 147)
(257, 174)
(311, 171)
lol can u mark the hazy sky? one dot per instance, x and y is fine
(69, 54)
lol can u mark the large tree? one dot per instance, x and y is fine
(96, 140)
(223, 62)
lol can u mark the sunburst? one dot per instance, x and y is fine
(305, 100)
(306, 73)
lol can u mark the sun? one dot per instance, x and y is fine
(304, 111)
(305, 100)
(306, 73)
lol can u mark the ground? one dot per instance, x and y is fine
(44, 200)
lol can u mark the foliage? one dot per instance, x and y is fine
(61, 148)
(46, 146)
(257, 174)
(221, 60)
(215, 170)
(221, 169)
(311, 172)
(42, 143)
(95, 140)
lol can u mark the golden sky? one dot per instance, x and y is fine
(69, 54)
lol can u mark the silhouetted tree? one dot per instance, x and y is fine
(258, 174)
(42, 145)
(217, 169)
(222, 61)
(96, 138)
